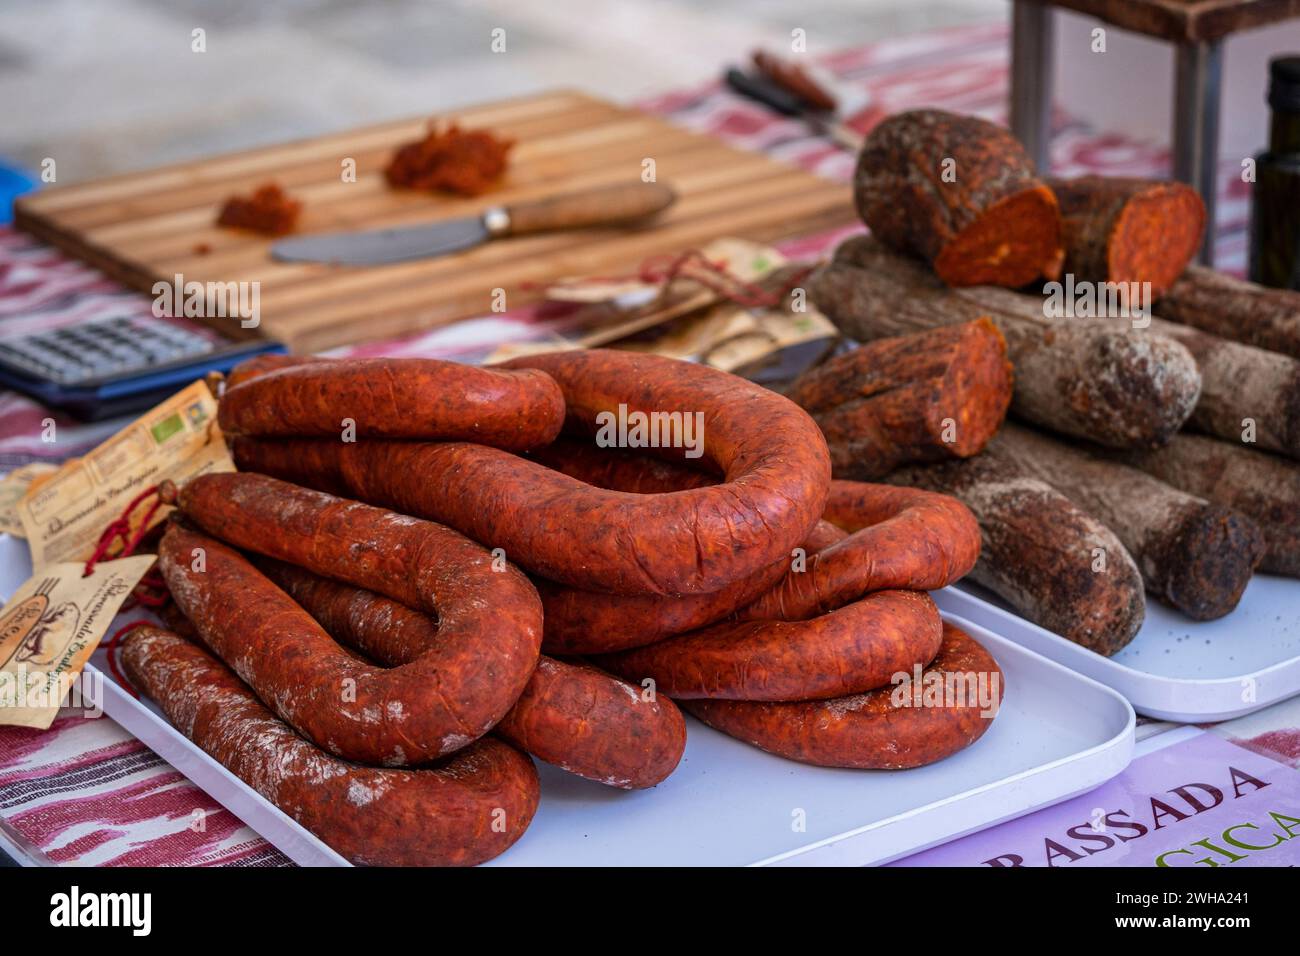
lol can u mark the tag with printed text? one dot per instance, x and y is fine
(49, 629)
(64, 517)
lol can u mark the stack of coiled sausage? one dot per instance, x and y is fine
(404, 646)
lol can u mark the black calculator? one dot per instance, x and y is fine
(112, 366)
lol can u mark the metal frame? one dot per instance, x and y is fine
(1198, 79)
(1032, 76)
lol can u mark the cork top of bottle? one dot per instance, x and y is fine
(1284, 83)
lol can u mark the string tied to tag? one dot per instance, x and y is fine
(120, 530)
(693, 265)
(151, 590)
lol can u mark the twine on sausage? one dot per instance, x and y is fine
(110, 647)
(693, 265)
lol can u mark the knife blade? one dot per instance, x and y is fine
(612, 205)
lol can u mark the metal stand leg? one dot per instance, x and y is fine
(1031, 79)
(1198, 72)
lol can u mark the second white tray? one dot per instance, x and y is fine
(1176, 668)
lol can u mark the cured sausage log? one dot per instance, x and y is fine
(696, 541)
(396, 398)
(1124, 230)
(1055, 564)
(909, 399)
(576, 717)
(891, 728)
(962, 194)
(1082, 378)
(1245, 391)
(898, 538)
(1195, 555)
(1239, 384)
(847, 651)
(466, 810)
(1235, 309)
(1255, 483)
(489, 620)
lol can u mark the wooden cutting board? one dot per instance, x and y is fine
(150, 226)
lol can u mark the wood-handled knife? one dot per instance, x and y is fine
(786, 89)
(607, 206)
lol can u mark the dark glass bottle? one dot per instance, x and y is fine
(1275, 201)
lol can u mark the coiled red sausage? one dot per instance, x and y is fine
(591, 622)
(899, 538)
(690, 542)
(873, 731)
(595, 622)
(489, 620)
(847, 651)
(466, 810)
(570, 715)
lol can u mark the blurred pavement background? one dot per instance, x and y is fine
(110, 85)
(105, 86)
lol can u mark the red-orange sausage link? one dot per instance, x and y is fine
(744, 429)
(771, 453)
(589, 723)
(489, 620)
(393, 398)
(898, 538)
(465, 811)
(259, 365)
(591, 622)
(847, 651)
(691, 542)
(594, 622)
(872, 731)
(575, 717)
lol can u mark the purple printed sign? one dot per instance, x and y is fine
(1198, 802)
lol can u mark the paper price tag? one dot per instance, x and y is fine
(49, 629)
(65, 515)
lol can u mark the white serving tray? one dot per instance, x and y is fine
(1176, 668)
(1058, 734)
